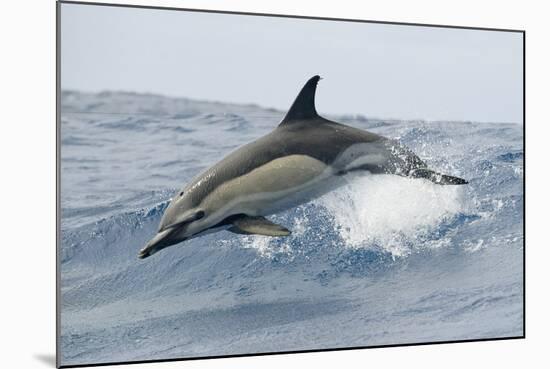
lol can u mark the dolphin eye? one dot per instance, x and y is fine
(181, 193)
(200, 214)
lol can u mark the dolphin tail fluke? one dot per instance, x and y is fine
(438, 178)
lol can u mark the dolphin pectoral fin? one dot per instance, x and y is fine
(257, 225)
(438, 178)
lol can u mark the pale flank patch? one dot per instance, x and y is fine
(267, 187)
(361, 154)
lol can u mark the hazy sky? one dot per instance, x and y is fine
(384, 71)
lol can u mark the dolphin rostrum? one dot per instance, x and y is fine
(303, 158)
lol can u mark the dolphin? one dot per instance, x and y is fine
(305, 157)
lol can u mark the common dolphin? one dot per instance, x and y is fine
(303, 158)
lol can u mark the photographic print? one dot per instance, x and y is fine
(236, 184)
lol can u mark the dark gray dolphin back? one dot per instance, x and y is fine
(323, 142)
(301, 132)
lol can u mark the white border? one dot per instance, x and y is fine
(28, 181)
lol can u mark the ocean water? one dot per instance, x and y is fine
(382, 260)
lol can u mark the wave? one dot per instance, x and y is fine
(388, 259)
(382, 214)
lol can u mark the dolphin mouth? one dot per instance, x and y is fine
(146, 252)
(157, 243)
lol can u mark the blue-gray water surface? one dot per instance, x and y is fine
(382, 260)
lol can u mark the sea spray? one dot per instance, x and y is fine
(390, 211)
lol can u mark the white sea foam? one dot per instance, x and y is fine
(389, 210)
(262, 244)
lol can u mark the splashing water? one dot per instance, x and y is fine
(390, 211)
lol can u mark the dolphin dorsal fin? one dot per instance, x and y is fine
(303, 107)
